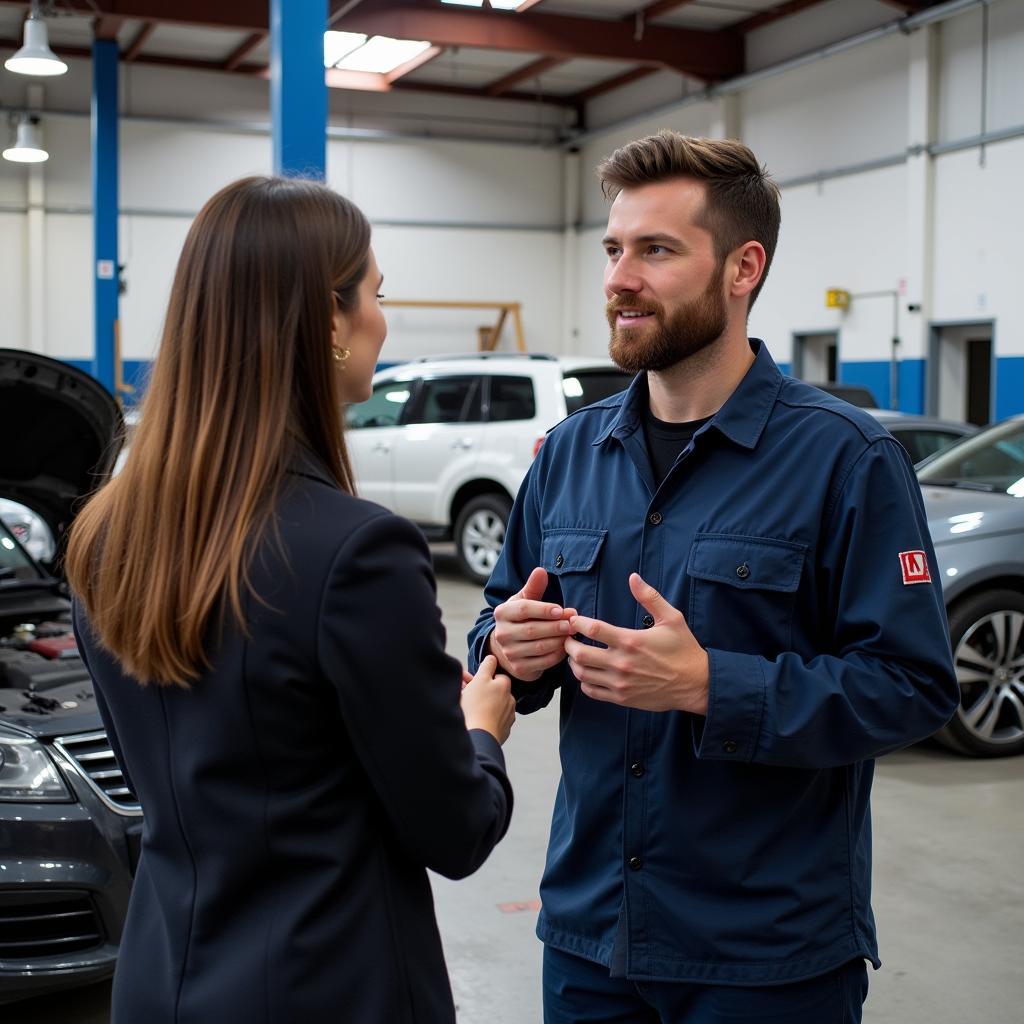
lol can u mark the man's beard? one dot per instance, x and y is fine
(690, 329)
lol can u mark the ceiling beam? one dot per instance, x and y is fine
(235, 58)
(524, 74)
(708, 55)
(770, 15)
(136, 45)
(414, 64)
(260, 71)
(638, 18)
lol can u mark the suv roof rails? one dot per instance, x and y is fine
(485, 355)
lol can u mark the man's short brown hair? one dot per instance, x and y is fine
(742, 200)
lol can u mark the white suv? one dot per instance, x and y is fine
(447, 440)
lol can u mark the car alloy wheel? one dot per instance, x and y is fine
(987, 633)
(480, 534)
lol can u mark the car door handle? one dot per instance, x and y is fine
(381, 446)
(463, 443)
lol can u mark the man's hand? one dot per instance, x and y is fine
(529, 634)
(662, 668)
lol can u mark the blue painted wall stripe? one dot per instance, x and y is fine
(1009, 397)
(911, 385)
(298, 88)
(873, 375)
(105, 208)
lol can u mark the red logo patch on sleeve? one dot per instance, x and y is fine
(915, 567)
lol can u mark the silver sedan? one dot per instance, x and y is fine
(974, 495)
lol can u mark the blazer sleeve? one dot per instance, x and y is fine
(381, 644)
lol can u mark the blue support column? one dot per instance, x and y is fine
(298, 88)
(104, 208)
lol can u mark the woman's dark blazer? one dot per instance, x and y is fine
(296, 793)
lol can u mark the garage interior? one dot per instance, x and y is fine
(895, 129)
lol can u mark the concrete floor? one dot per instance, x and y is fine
(948, 889)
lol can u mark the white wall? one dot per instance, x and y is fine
(13, 283)
(832, 237)
(863, 231)
(456, 220)
(514, 220)
(979, 226)
(842, 111)
(960, 101)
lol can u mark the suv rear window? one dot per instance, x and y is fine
(588, 386)
(511, 399)
(447, 400)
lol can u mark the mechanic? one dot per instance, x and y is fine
(728, 575)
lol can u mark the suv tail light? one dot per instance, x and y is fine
(536, 445)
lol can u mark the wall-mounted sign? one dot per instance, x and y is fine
(837, 298)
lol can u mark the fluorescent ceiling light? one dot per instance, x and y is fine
(35, 57)
(383, 54)
(28, 145)
(338, 45)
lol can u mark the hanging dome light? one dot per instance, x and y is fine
(35, 57)
(28, 145)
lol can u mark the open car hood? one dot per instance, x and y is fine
(60, 432)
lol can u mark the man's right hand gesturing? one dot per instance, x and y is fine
(529, 634)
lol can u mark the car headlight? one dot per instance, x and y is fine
(27, 775)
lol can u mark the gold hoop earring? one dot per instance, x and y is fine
(341, 354)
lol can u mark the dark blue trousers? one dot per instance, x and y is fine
(578, 991)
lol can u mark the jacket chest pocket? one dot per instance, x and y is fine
(573, 558)
(743, 592)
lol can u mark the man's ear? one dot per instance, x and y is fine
(747, 265)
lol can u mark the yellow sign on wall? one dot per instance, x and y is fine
(837, 298)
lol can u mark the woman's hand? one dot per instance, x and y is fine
(487, 701)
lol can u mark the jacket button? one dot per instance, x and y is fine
(729, 746)
(559, 561)
(743, 571)
(636, 863)
(636, 769)
(647, 621)
(654, 518)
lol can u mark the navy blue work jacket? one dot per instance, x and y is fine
(736, 847)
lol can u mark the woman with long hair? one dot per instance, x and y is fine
(268, 655)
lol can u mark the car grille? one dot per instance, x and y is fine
(38, 924)
(91, 754)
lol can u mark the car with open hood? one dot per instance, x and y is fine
(69, 826)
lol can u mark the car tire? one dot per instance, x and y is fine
(479, 534)
(987, 635)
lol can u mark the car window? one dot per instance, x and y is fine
(511, 398)
(382, 409)
(852, 393)
(993, 459)
(14, 563)
(585, 387)
(923, 441)
(447, 400)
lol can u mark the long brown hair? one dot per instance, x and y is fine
(742, 201)
(244, 374)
